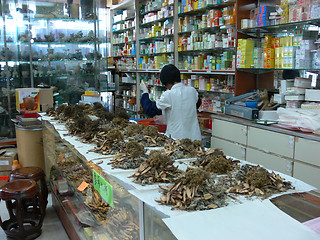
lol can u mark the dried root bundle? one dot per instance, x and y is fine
(257, 181)
(215, 161)
(196, 190)
(157, 169)
(184, 148)
(130, 157)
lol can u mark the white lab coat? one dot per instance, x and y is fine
(178, 105)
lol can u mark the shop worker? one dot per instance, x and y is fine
(178, 104)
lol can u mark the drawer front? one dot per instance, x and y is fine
(229, 131)
(307, 151)
(269, 161)
(229, 148)
(308, 174)
(271, 142)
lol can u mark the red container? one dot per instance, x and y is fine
(150, 121)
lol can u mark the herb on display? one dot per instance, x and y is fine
(157, 169)
(184, 148)
(130, 157)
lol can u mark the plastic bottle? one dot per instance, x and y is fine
(15, 165)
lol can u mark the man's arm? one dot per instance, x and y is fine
(149, 106)
(198, 102)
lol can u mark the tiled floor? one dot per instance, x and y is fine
(52, 228)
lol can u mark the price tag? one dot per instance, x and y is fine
(103, 187)
(83, 186)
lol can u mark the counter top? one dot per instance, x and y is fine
(174, 219)
(273, 128)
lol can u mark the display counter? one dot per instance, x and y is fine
(287, 151)
(85, 214)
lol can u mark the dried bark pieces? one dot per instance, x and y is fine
(157, 169)
(130, 157)
(184, 148)
(196, 190)
(257, 181)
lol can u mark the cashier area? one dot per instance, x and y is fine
(277, 128)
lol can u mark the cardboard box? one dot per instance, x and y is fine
(27, 100)
(312, 95)
(46, 99)
(4, 177)
(7, 155)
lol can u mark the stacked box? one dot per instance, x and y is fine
(314, 9)
(258, 57)
(285, 11)
(303, 59)
(268, 52)
(278, 55)
(263, 15)
(294, 11)
(245, 53)
(316, 60)
(304, 9)
(156, 31)
(289, 57)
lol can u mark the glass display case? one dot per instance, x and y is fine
(50, 44)
(83, 212)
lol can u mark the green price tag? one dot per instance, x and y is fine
(103, 187)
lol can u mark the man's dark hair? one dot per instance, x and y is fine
(169, 74)
(290, 74)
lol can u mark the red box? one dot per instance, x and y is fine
(150, 121)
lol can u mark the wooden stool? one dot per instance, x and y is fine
(34, 173)
(20, 225)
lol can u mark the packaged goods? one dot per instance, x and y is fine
(27, 100)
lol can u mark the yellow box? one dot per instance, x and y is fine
(196, 83)
(91, 93)
(27, 100)
(268, 52)
(246, 43)
(269, 63)
(268, 39)
(195, 5)
(277, 52)
(276, 63)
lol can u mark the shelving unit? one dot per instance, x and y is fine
(157, 46)
(42, 43)
(203, 48)
(253, 78)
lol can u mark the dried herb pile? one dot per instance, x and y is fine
(215, 161)
(130, 157)
(157, 169)
(121, 225)
(196, 190)
(184, 148)
(150, 137)
(75, 173)
(257, 181)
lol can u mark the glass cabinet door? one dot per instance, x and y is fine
(50, 44)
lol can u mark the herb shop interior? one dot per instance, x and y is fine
(72, 117)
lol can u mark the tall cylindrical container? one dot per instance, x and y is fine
(30, 146)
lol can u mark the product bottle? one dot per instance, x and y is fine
(15, 165)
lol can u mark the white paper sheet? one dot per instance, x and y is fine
(149, 197)
(257, 220)
(314, 224)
